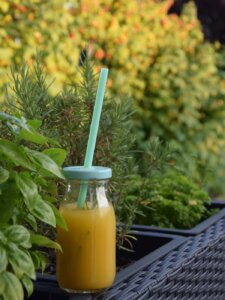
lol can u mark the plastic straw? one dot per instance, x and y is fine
(93, 132)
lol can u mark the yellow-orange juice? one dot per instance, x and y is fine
(88, 259)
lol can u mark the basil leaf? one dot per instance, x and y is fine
(19, 235)
(15, 154)
(3, 259)
(56, 154)
(4, 175)
(45, 162)
(43, 241)
(28, 284)
(12, 287)
(21, 261)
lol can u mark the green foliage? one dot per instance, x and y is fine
(175, 77)
(175, 201)
(66, 118)
(157, 158)
(24, 178)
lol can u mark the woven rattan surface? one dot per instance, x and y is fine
(195, 270)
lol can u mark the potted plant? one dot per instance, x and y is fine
(181, 206)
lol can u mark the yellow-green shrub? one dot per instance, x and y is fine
(161, 60)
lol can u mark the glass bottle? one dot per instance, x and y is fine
(88, 261)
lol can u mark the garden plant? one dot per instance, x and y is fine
(27, 196)
(175, 76)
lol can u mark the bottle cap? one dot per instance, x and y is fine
(82, 173)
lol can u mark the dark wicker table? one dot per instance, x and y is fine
(195, 270)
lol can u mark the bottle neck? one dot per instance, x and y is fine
(96, 193)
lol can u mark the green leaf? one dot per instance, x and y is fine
(28, 284)
(2, 285)
(56, 154)
(37, 207)
(15, 154)
(8, 199)
(30, 219)
(13, 289)
(45, 162)
(4, 175)
(43, 212)
(28, 188)
(32, 136)
(3, 259)
(35, 258)
(43, 262)
(39, 260)
(7, 117)
(19, 235)
(52, 189)
(43, 241)
(59, 218)
(21, 261)
(35, 124)
(25, 129)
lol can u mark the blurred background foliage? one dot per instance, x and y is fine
(161, 60)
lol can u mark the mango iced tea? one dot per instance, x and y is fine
(88, 258)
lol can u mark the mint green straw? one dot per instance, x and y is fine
(93, 132)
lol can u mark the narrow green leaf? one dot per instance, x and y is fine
(59, 218)
(15, 154)
(35, 258)
(21, 261)
(4, 175)
(43, 262)
(28, 284)
(13, 289)
(39, 260)
(43, 241)
(19, 235)
(3, 259)
(45, 162)
(30, 219)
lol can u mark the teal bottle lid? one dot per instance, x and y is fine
(82, 173)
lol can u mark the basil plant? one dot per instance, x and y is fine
(28, 192)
